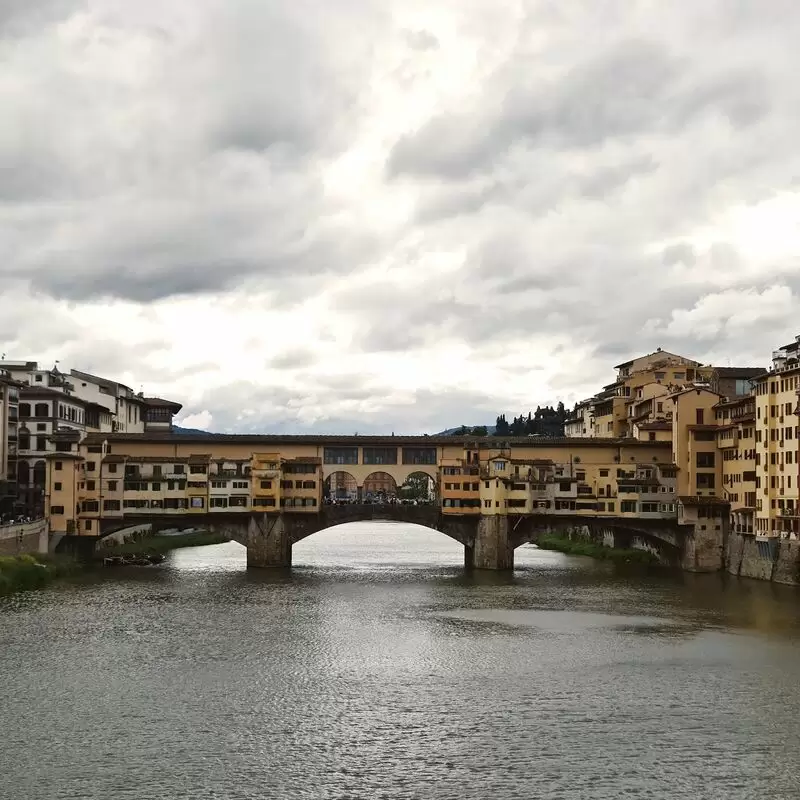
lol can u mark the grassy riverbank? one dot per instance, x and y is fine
(33, 571)
(161, 544)
(581, 547)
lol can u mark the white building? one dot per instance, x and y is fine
(579, 425)
(57, 410)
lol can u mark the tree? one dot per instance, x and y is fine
(416, 487)
(479, 430)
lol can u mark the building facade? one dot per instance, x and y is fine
(53, 411)
(105, 478)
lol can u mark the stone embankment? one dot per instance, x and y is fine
(28, 537)
(775, 560)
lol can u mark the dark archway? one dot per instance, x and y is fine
(340, 487)
(23, 473)
(39, 474)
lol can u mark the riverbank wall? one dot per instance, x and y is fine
(29, 537)
(776, 560)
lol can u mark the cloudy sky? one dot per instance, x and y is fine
(378, 215)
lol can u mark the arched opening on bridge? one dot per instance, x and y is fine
(418, 487)
(340, 487)
(379, 487)
(380, 546)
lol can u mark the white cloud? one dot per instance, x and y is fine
(394, 215)
(202, 421)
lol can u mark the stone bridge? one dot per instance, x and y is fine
(489, 541)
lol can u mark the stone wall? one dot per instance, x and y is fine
(704, 550)
(775, 560)
(30, 537)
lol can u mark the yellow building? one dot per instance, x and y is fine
(776, 445)
(638, 395)
(736, 438)
(109, 478)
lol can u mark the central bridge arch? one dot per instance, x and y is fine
(300, 526)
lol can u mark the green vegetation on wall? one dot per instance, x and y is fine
(582, 547)
(32, 571)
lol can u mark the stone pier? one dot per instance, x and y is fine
(268, 542)
(492, 548)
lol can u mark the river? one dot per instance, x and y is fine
(379, 669)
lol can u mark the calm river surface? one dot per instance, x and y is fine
(379, 669)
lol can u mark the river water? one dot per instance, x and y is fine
(379, 669)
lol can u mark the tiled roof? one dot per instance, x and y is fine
(490, 442)
(161, 402)
(738, 372)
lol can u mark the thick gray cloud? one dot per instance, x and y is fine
(359, 216)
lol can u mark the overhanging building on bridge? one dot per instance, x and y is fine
(108, 477)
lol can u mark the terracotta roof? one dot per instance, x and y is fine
(655, 426)
(733, 402)
(536, 462)
(199, 458)
(665, 353)
(738, 372)
(688, 389)
(157, 459)
(69, 433)
(43, 391)
(770, 374)
(62, 456)
(160, 403)
(112, 459)
(260, 440)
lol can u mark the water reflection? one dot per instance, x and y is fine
(377, 667)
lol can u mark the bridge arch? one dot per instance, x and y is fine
(301, 526)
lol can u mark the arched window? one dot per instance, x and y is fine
(40, 473)
(24, 409)
(41, 410)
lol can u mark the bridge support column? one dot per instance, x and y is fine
(492, 548)
(268, 543)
